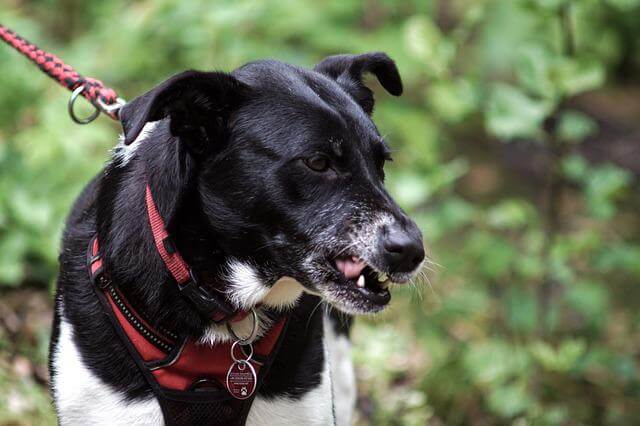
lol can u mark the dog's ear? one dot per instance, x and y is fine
(348, 71)
(198, 103)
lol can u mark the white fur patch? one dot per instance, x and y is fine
(283, 294)
(245, 291)
(215, 334)
(315, 408)
(124, 153)
(83, 399)
(343, 377)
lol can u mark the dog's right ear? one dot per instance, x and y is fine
(348, 72)
(198, 104)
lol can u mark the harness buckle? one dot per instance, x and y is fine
(95, 265)
(204, 301)
(101, 281)
(98, 276)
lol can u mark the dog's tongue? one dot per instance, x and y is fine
(351, 267)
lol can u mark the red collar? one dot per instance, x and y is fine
(214, 306)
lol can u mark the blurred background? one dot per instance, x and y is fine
(517, 150)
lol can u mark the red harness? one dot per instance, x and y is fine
(188, 379)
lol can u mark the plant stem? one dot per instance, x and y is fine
(556, 183)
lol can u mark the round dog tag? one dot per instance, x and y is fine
(241, 379)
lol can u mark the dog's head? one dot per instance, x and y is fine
(288, 167)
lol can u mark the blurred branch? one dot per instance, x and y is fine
(567, 26)
(556, 183)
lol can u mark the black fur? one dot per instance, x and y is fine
(228, 168)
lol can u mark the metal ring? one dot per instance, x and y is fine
(254, 331)
(72, 100)
(233, 355)
(114, 108)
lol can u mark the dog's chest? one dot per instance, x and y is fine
(82, 398)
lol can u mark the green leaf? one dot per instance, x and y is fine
(453, 100)
(509, 214)
(425, 43)
(552, 5)
(624, 5)
(590, 299)
(575, 167)
(534, 69)
(450, 215)
(512, 114)
(509, 400)
(494, 362)
(575, 126)
(409, 189)
(13, 247)
(580, 75)
(562, 359)
(521, 309)
(605, 185)
(620, 257)
(493, 253)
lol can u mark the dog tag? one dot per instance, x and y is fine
(241, 379)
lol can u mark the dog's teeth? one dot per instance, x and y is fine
(360, 282)
(384, 284)
(382, 278)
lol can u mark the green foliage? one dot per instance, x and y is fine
(532, 316)
(575, 126)
(513, 114)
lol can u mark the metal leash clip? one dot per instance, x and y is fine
(241, 376)
(111, 110)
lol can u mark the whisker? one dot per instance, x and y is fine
(430, 261)
(312, 313)
(426, 278)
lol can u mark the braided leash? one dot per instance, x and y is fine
(104, 99)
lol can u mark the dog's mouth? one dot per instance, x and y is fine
(356, 272)
(356, 286)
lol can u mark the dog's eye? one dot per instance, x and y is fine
(317, 162)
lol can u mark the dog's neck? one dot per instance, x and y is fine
(130, 253)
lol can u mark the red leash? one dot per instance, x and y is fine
(104, 99)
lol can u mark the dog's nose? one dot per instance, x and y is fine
(402, 247)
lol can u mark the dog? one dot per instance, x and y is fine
(270, 181)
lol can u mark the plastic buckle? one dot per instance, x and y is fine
(101, 281)
(205, 302)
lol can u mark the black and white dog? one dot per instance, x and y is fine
(271, 181)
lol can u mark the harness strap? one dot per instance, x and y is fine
(170, 256)
(103, 98)
(214, 306)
